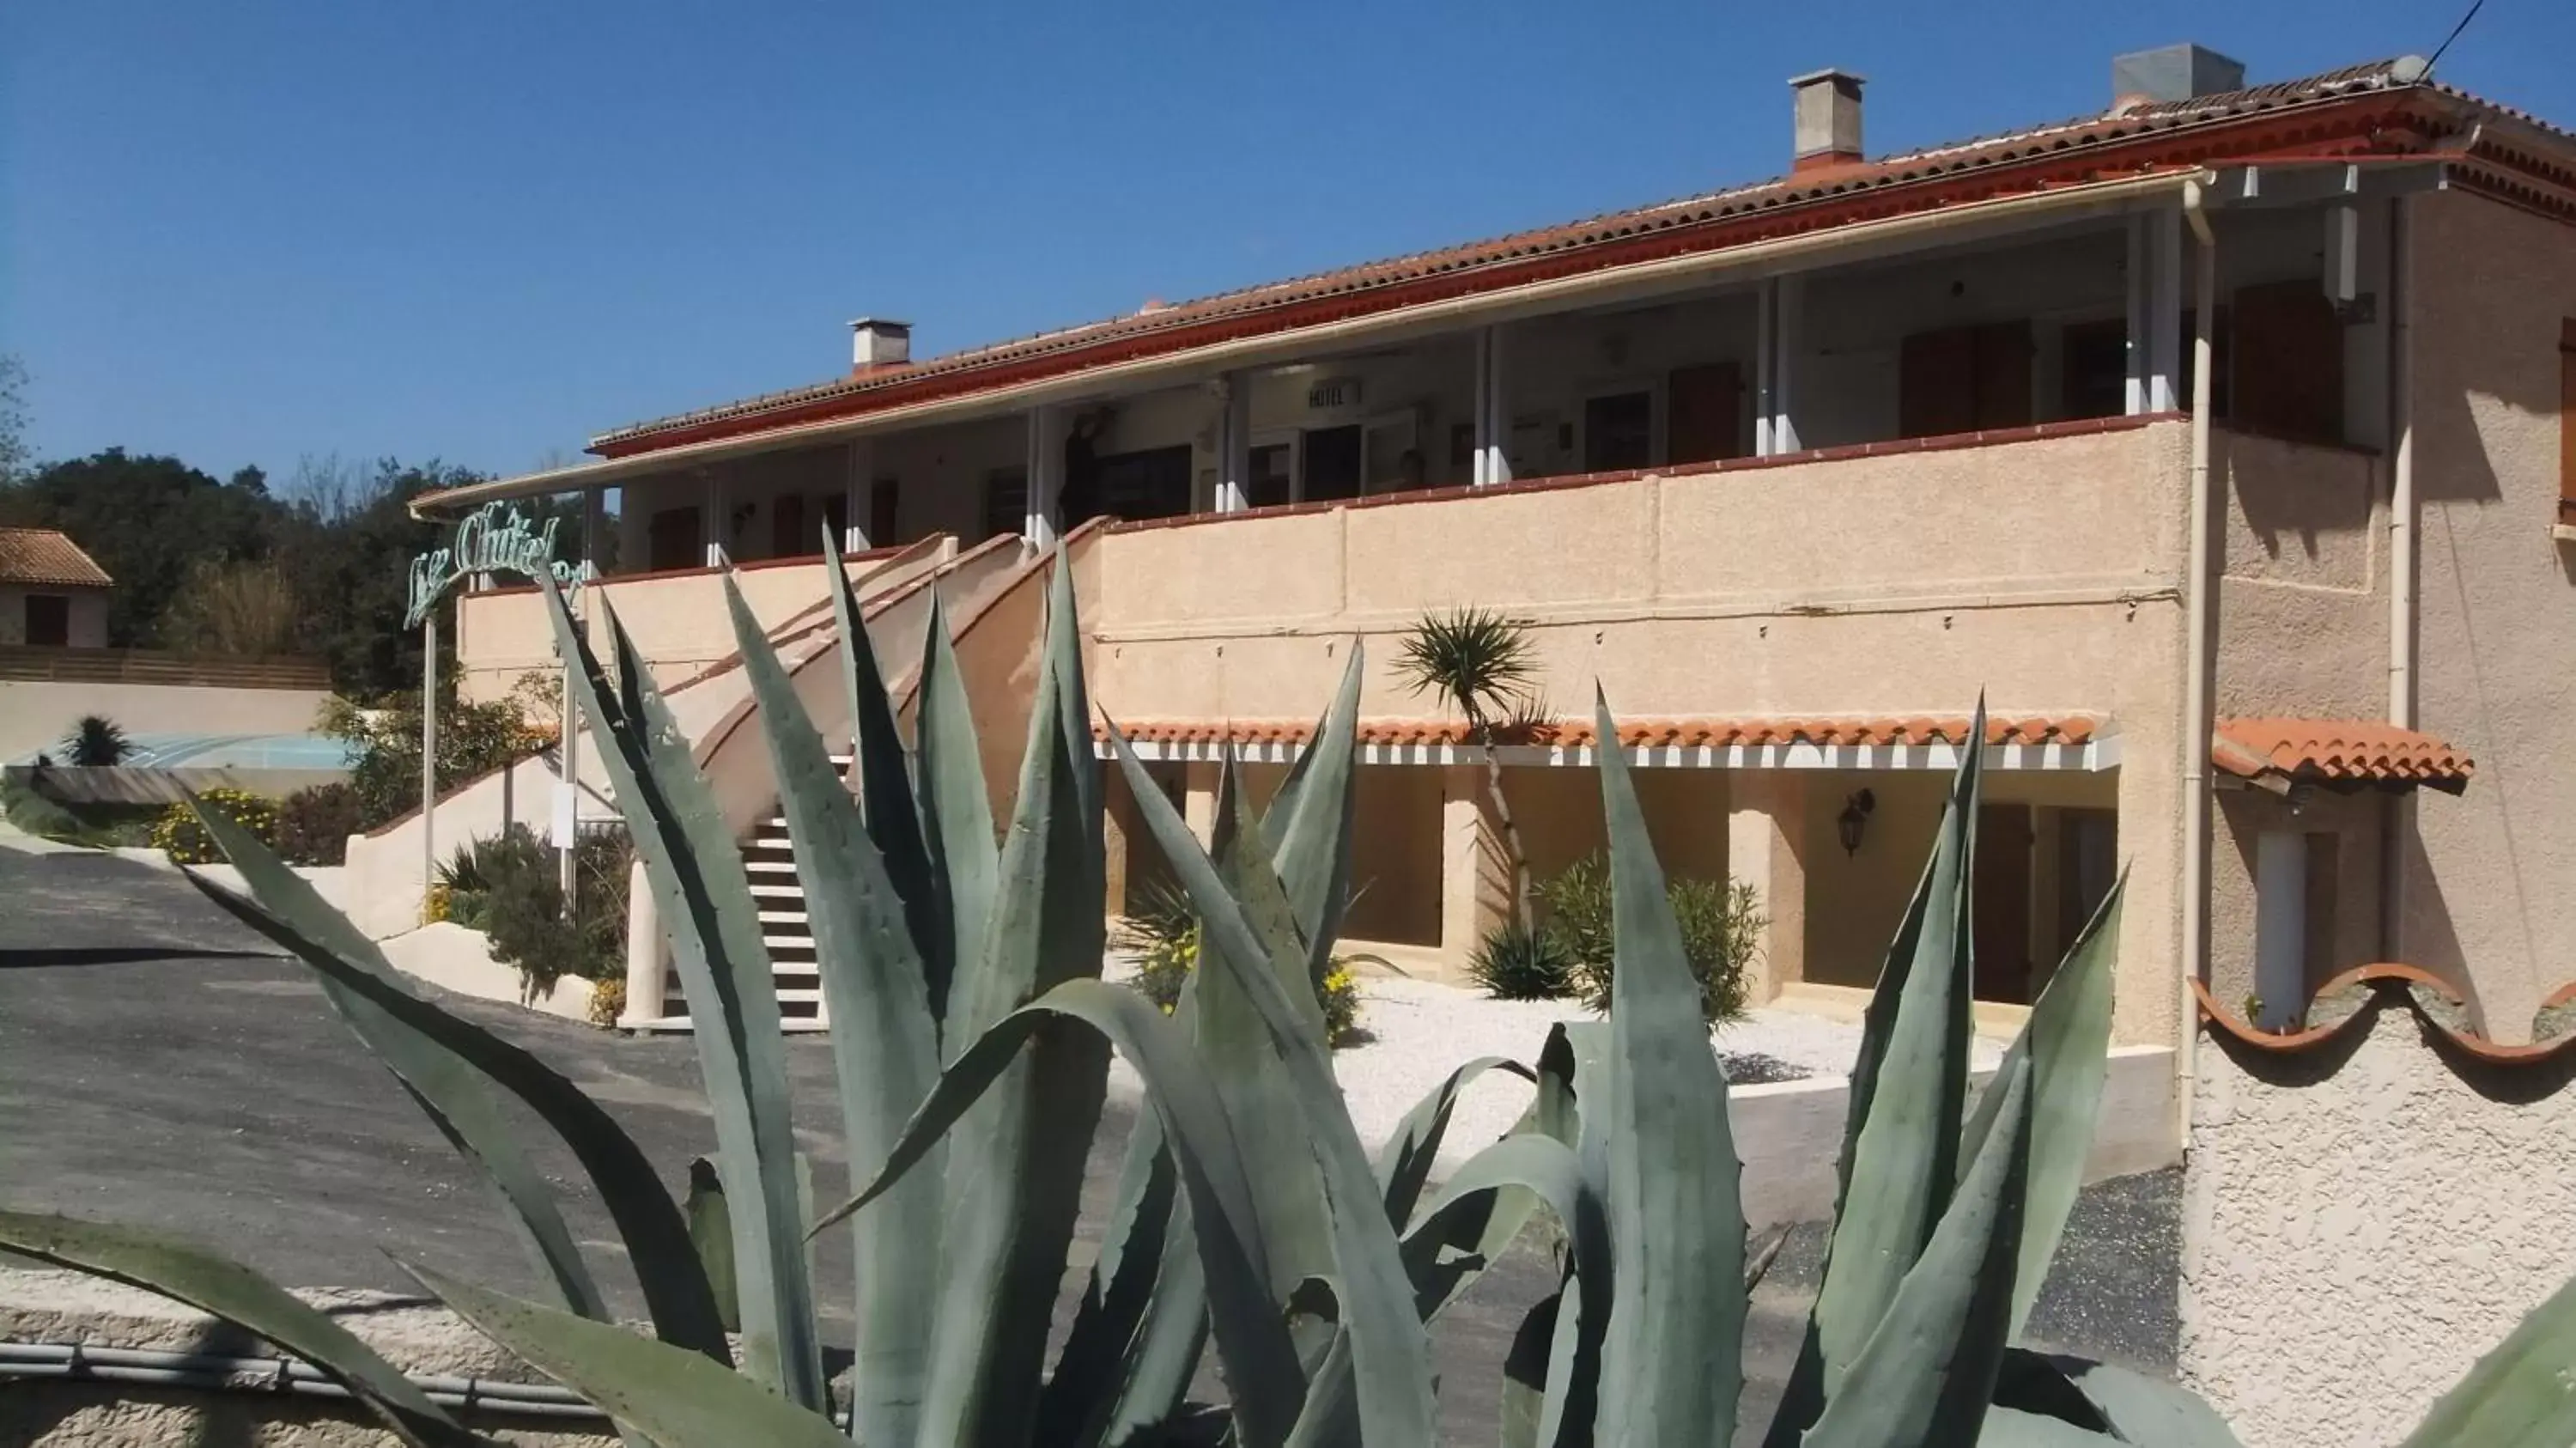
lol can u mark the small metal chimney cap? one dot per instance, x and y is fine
(1826, 119)
(2171, 73)
(879, 342)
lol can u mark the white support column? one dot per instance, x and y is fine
(1045, 473)
(1766, 842)
(1493, 414)
(858, 469)
(719, 522)
(645, 971)
(594, 527)
(2140, 263)
(2164, 306)
(1779, 310)
(1234, 443)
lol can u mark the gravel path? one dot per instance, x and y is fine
(1417, 1032)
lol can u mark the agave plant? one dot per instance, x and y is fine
(971, 1035)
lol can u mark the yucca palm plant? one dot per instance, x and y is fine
(97, 742)
(1481, 663)
(970, 1033)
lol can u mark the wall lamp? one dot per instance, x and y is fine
(1853, 822)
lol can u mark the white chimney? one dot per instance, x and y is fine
(877, 342)
(1828, 119)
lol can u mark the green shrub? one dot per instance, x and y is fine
(314, 825)
(1516, 963)
(178, 834)
(510, 887)
(1164, 937)
(1721, 933)
(473, 740)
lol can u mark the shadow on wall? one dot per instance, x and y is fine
(2281, 502)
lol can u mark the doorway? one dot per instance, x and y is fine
(49, 620)
(2002, 910)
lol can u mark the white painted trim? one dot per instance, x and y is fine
(2092, 757)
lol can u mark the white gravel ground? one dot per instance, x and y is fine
(1417, 1032)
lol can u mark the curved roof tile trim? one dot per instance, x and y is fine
(2385, 980)
(2338, 751)
(1637, 733)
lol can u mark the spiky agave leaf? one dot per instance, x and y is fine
(876, 986)
(713, 924)
(1013, 1183)
(1908, 1091)
(451, 1066)
(1385, 1337)
(230, 1291)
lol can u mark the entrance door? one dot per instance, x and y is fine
(1333, 461)
(2003, 903)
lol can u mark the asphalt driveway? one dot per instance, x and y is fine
(216, 1094)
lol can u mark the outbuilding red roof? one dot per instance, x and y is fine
(1637, 733)
(48, 557)
(2380, 109)
(2337, 751)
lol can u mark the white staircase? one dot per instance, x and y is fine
(770, 859)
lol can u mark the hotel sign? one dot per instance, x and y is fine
(490, 540)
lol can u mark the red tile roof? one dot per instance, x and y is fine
(47, 557)
(2337, 751)
(1638, 733)
(2140, 141)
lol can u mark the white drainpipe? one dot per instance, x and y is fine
(2200, 684)
(2403, 580)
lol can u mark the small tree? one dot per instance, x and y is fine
(243, 609)
(97, 743)
(1482, 663)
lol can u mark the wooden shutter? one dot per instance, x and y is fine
(885, 508)
(2003, 374)
(1936, 383)
(1707, 413)
(2289, 361)
(787, 535)
(2093, 369)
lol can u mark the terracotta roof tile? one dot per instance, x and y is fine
(1636, 733)
(2339, 751)
(47, 556)
(2077, 134)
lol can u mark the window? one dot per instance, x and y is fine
(1333, 463)
(885, 509)
(2567, 417)
(1006, 501)
(2093, 368)
(675, 538)
(2289, 349)
(1273, 475)
(1150, 484)
(1619, 432)
(49, 620)
(1964, 379)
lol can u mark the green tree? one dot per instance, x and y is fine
(147, 520)
(15, 455)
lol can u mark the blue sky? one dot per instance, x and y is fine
(253, 231)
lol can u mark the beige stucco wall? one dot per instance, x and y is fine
(2303, 602)
(680, 621)
(2491, 891)
(36, 714)
(2357, 1231)
(2045, 572)
(87, 615)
